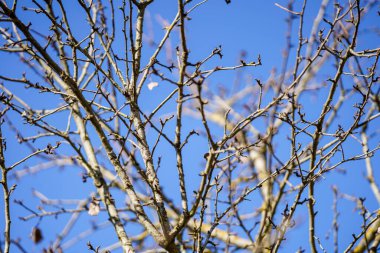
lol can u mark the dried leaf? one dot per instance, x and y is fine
(94, 207)
(152, 85)
(36, 235)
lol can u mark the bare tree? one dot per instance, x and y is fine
(85, 102)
